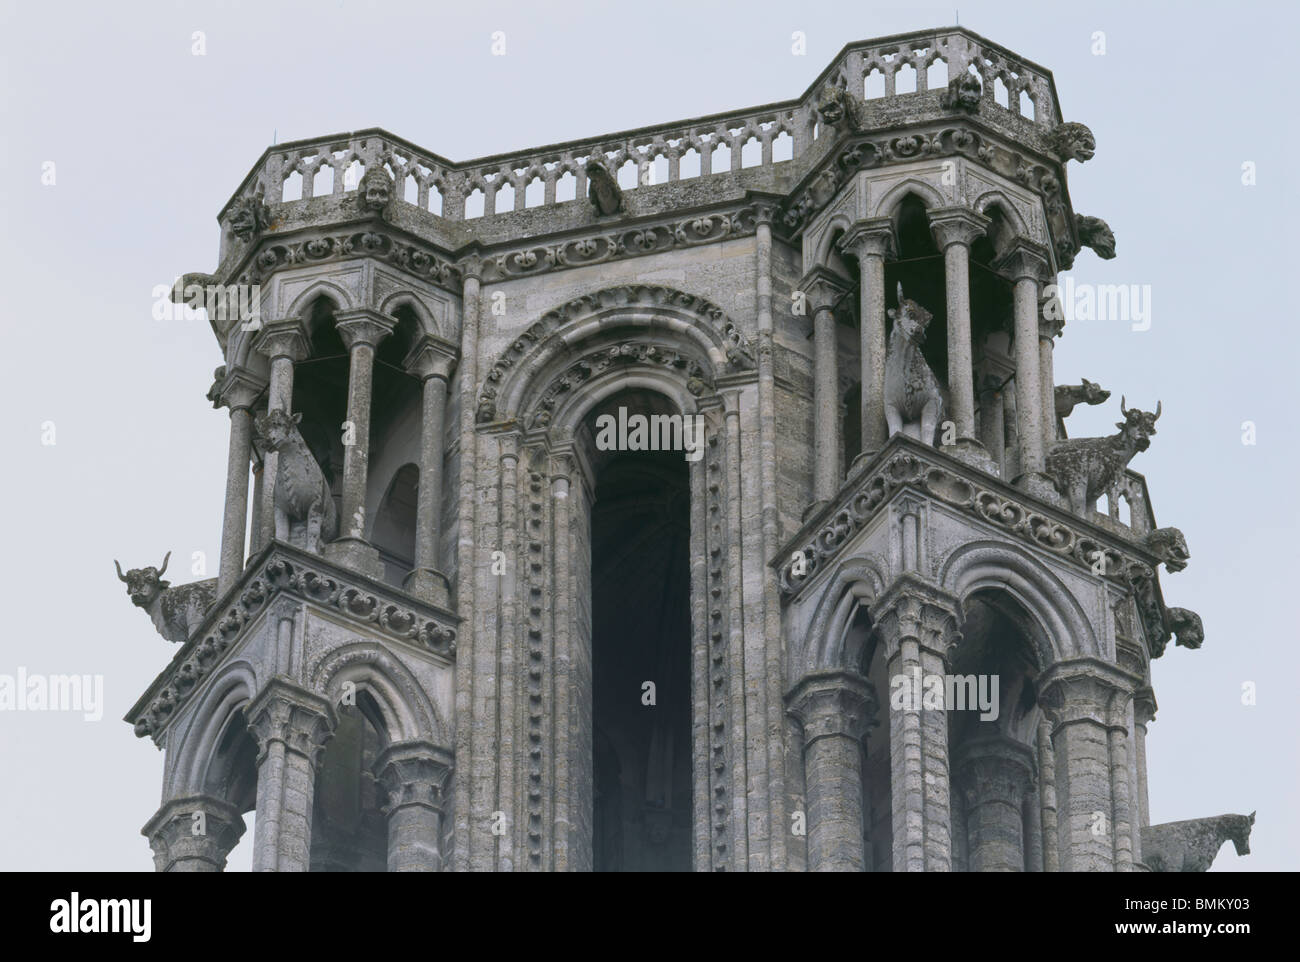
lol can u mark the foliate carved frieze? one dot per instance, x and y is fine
(416, 259)
(739, 354)
(1013, 513)
(281, 573)
(619, 243)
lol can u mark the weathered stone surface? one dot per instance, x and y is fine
(1191, 845)
(454, 683)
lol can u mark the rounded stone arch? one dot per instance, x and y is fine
(338, 297)
(929, 195)
(240, 352)
(688, 337)
(428, 322)
(1063, 629)
(226, 694)
(855, 583)
(408, 713)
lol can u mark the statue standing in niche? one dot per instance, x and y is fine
(913, 398)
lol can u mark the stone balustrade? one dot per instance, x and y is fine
(882, 72)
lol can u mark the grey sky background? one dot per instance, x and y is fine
(149, 141)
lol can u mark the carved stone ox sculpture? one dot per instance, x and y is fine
(913, 398)
(1190, 846)
(1084, 468)
(176, 612)
(302, 495)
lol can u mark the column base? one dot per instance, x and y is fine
(356, 554)
(972, 452)
(1040, 486)
(429, 585)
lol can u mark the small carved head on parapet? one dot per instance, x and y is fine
(964, 93)
(830, 104)
(1138, 425)
(375, 190)
(1073, 141)
(911, 317)
(275, 428)
(144, 585)
(250, 216)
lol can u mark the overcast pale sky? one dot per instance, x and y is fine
(149, 140)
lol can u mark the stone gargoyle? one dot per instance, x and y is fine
(175, 612)
(1083, 469)
(302, 495)
(964, 93)
(603, 190)
(1191, 845)
(1186, 626)
(1095, 233)
(1072, 141)
(1169, 545)
(914, 402)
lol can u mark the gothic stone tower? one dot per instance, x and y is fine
(465, 634)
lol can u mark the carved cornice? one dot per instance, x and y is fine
(383, 243)
(905, 464)
(608, 245)
(284, 570)
(736, 345)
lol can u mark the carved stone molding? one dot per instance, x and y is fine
(622, 242)
(736, 345)
(909, 466)
(285, 570)
(419, 259)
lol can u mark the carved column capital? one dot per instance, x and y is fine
(912, 609)
(957, 225)
(239, 390)
(413, 773)
(764, 214)
(1024, 260)
(873, 236)
(299, 719)
(363, 327)
(432, 357)
(193, 834)
(286, 338)
(1049, 328)
(1086, 690)
(822, 288)
(1144, 706)
(833, 703)
(995, 768)
(470, 267)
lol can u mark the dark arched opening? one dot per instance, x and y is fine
(641, 644)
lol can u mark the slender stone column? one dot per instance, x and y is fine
(414, 776)
(995, 774)
(431, 360)
(822, 290)
(955, 228)
(361, 332)
(193, 834)
(1079, 698)
(1047, 798)
(1144, 713)
(872, 240)
(238, 393)
(917, 623)
(1050, 326)
(1025, 265)
(284, 343)
(992, 414)
(291, 726)
(835, 710)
